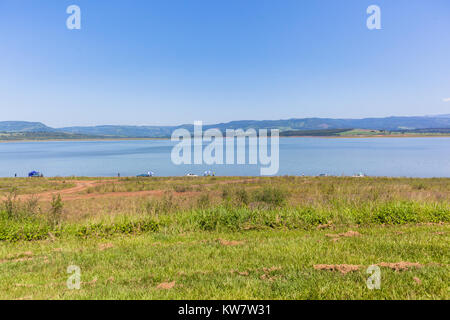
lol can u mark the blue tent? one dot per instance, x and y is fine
(34, 174)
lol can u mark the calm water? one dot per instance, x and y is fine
(411, 157)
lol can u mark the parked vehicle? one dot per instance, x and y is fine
(35, 174)
(359, 175)
(209, 173)
(146, 175)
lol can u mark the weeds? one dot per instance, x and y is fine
(14, 209)
(278, 203)
(11, 205)
(272, 196)
(204, 201)
(56, 211)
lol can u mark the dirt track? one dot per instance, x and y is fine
(80, 186)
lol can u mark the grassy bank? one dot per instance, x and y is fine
(237, 238)
(265, 264)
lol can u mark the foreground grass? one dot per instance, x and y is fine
(228, 238)
(270, 264)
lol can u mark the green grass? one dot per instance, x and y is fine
(230, 239)
(33, 185)
(202, 266)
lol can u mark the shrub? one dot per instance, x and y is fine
(272, 196)
(226, 193)
(401, 212)
(204, 201)
(11, 204)
(56, 210)
(242, 196)
(182, 188)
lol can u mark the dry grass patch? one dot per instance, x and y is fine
(230, 243)
(342, 268)
(400, 266)
(348, 234)
(105, 246)
(166, 285)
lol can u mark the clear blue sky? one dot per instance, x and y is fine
(176, 61)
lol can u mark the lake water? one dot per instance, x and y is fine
(410, 157)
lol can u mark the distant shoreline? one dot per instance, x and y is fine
(300, 136)
(80, 140)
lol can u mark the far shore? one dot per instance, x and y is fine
(322, 137)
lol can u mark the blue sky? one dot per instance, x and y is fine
(176, 61)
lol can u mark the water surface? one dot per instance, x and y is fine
(410, 157)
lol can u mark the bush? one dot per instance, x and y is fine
(56, 210)
(163, 206)
(204, 201)
(272, 196)
(11, 205)
(14, 209)
(182, 188)
(243, 218)
(242, 196)
(124, 227)
(410, 212)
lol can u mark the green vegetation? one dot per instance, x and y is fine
(24, 136)
(391, 126)
(229, 238)
(314, 133)
(385, 133)
(33, 185)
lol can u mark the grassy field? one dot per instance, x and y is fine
(225, 238)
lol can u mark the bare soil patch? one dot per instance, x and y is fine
(105, 246)
(326, 225)
(166, 285)
(400, 266)
(348, 234)
(342, 268)
(230, 243)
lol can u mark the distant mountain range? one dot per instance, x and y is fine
(297, 125)
(24, 126)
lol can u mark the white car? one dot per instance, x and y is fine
(191, 175)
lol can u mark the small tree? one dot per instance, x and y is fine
(10, 204)
(56, 210)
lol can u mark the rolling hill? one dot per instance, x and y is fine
(305, 124)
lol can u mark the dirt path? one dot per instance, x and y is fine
(74, 192)
(79, 186)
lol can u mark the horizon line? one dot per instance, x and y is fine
(222, 122)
